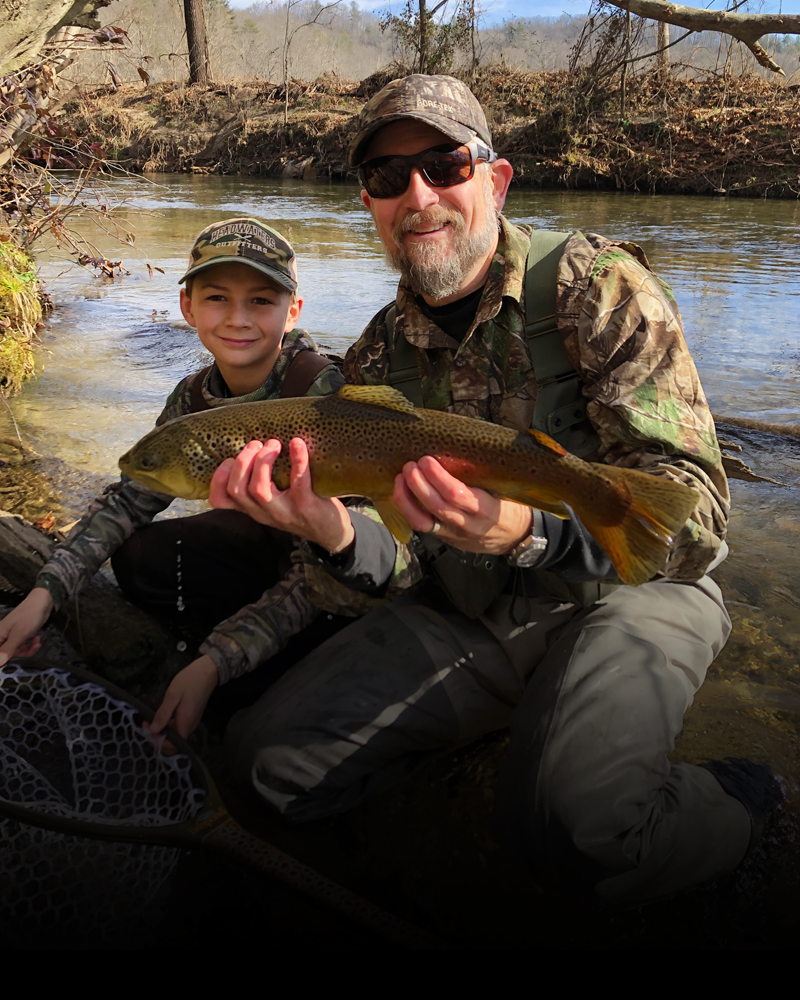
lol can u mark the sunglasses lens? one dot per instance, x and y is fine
(447, 169)
(388, 176)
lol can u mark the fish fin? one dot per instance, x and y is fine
(548, 443)
(552, 506)
(378, 395)
(656, 510)
(393, 519)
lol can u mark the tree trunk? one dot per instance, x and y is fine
(286, 42)
(663, 52)
(423, 37)
(199, 64)
(624, 82)
(26, 25)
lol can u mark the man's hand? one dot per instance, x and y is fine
(186, 699)
(470, 519)
(245, 483)
(19, 627)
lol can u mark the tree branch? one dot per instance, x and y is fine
(747, 28)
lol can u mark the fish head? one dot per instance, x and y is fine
(170, 459)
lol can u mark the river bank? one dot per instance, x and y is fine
(735, 136)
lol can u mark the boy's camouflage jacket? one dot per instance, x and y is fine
(256, 632)
(623, 333)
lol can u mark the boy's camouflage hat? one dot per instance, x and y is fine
(244, 241)
(441, 101)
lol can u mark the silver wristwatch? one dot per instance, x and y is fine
(529, 551)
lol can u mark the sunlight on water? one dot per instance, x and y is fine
(119, 347)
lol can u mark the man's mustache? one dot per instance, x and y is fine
(433, 218)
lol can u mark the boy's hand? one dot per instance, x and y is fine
(245, 483)
(186, 699)
(19, 627)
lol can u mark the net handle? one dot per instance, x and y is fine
(228, 838)
(214, 828)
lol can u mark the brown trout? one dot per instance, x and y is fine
(360, 438)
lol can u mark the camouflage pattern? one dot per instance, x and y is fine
(337, 598)
(441, 101)
(622, 331)
(251, 635)
(245, 241)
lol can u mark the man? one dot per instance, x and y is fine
(520, 619)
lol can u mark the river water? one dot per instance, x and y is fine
(117, 348)
(114, 350)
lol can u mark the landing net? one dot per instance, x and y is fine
(69, 749)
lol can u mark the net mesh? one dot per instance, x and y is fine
(68, 748)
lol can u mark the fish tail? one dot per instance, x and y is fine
(638, 543)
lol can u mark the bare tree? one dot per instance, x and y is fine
(288, 37)
(433, 41)
(663, 46)
(747, 28)
(197, 38)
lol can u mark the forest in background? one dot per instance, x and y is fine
(247, 44)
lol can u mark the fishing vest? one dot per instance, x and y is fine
(473, 580)
(303, 369)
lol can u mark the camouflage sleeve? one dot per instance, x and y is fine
(337, 598)
(179, 400)
(365, 361)
(328, 381)
(112, 517)
(260, 630)
(624, 334)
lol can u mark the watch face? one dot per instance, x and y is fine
(532, 552)
(529, 557)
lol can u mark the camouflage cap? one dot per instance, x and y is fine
(244, 241)
(441, 101)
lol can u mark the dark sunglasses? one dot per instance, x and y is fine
(441, 166)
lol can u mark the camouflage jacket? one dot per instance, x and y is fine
(256, 632)
(622, 332)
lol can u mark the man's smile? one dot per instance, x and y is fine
(427, 229)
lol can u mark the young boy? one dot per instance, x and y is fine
(219, 566)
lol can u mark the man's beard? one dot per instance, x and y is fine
(437, 269)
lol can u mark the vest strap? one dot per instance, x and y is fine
(197, 401)
(560, 409)
(403, 366)
(303, 369)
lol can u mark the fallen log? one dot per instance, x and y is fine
(117, 640)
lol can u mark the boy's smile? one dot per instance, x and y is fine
(241, 317)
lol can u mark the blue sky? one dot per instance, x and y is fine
(499, 10)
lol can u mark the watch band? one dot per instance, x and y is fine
(530, 550)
